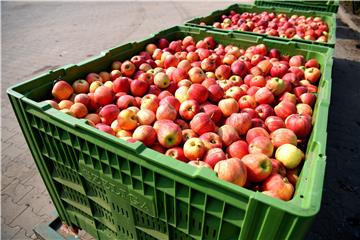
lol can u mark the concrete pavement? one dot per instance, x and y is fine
(37, 37)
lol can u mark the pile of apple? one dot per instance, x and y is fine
(245, 113)
(280, 25)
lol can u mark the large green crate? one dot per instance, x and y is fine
(118, 190)
(320, 6)
(329, 18)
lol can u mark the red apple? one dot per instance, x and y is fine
(228, 134)
(285, 109)
(146, 134)
(211, 140)
(312, 63)
(109, 113)
(105, 128)
(240, 121)
(237, 149)
(81, 86)
(202, 123)
(312, 74)
(256, 132)
(62, 90)
(300, 124)
(239, 68)
(278, 187)
(125, 101)
(228, 106)
(274, 122)
(188, 109)
(199, 164)
(213, 156)
(235, 92)
(121, 84)
(139, 88)
(212, 111)
(103, 95)
(93, 77)
(127, 120)
(232, 170)
(196, 75)
(282, 136)
(127, 68)
(198, 93)
(297, 61)
(303, 108)
(166, 111)
(187, 134)
(308, 98)
(247, 101)
(177, 153)
(262, 145)
(258, 166)
(223, 72)
(278, 70)
(264, 96)
(78, 110)
(264, 111)
(215, 92)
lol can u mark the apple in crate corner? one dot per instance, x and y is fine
(289, 155)
(279, 187)
(176, 153)
(146, 134)
(194, 149)
(62, 90)
(258, 166)
(213, 156)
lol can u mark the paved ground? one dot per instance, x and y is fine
(37, 37)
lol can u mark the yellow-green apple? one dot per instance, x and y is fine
(62, 90)
(274, 122)
(237, 149)
(283, 136)
(223, 72)
(188, 109)
(228, 106)
(146, 134)
(103, 96)
(81, 86)
(258, 166)
(65, 104)
(235, 92)
(276, 86)
(108, 84)
(94, 86)
(312, 74)
(176, 153)
(109, 113)
(216, 93)
(262, 145)
(232, 170)
(240, 121)
(303, 108)
(300, 124)
(285, 109)
(93, 77)
(166, 111)
(213, 156)
(196, 75)
(228, 134)
(194, 149)
(213, 111)
(247, 101)
(134, 109)
(127, 120)
(289, 155)
(256, 132)
(202, 123)
(277, 167)
(211, 140)
(210, 75)
(125, 101)
(127, 68)
(182, 93)
(297, 61)
(139, 88)
(105, 128)
(198, 93)
(78, 110)
(93, 117)
(279, 187)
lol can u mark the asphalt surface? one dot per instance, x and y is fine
(38, 37)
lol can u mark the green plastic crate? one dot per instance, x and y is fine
(320, 6)
(118, 190)
(329, 18)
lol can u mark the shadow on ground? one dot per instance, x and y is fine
(339, 217)
(344, 32)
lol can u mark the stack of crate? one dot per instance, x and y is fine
(118, 190)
